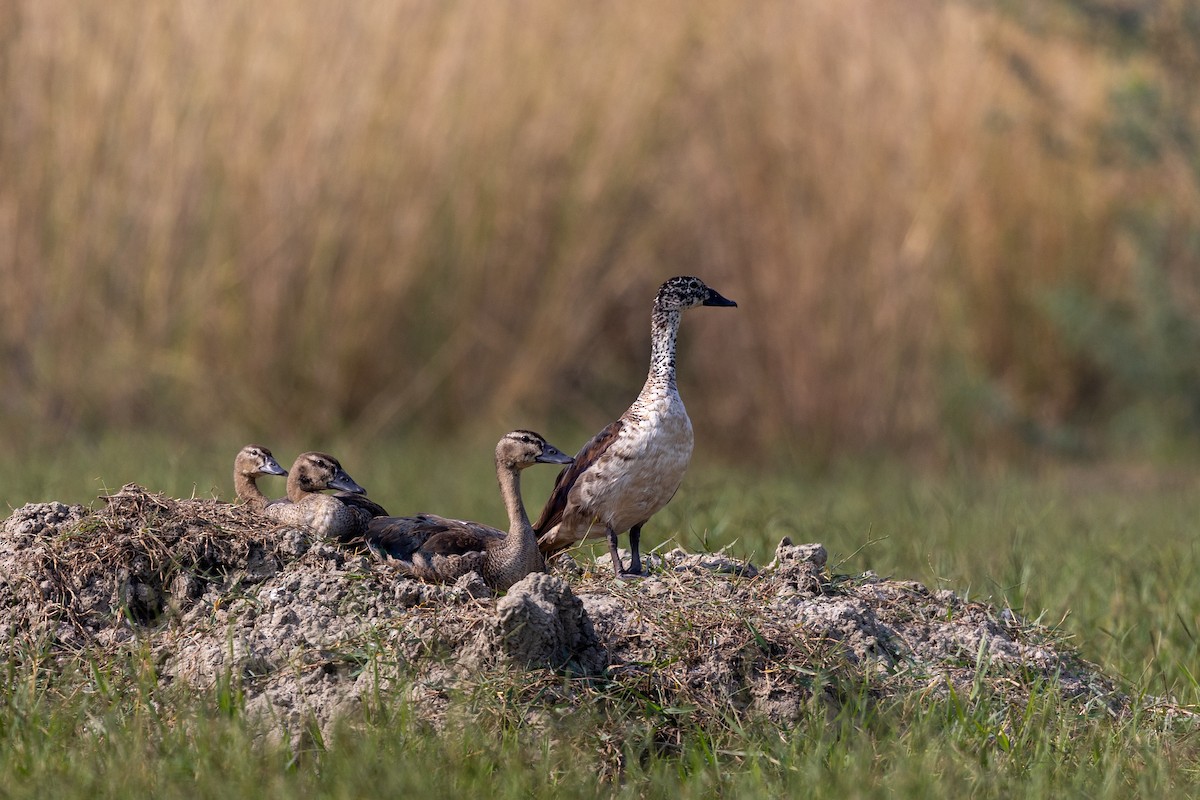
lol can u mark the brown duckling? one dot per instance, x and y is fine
(252, 462)
(331, 516)
(438, 549)
(633, 467)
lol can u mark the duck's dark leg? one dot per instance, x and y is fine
(618, 567)
(635, 539)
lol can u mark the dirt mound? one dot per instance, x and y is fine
(309, 631)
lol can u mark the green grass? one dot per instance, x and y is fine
(125, 737)
(1110, 553)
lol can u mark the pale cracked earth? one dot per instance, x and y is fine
(314, 634)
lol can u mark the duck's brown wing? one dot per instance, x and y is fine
(361, 504)
(552, 512)
(401, 537)
(469, 538)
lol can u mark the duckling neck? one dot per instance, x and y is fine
(248, 492)
(295, 491)
(517, 555)
(510, 490)
(664, 329)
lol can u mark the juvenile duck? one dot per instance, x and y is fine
(364, 508)
(438, 549)
(327, 515)
(633, 467)
(252, 462)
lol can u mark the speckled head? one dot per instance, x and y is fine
(521, 449)
(686, 291)
(254, 461)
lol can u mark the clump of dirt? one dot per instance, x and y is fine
(311, 631)
(73, 577)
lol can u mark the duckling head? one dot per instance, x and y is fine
(520, 449)
(254, 461)
(686, 291)
(314, 472)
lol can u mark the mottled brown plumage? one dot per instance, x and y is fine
(251, 463)
(327, 515)
(556, 504)
(441, 549)
(633, 467)
(364, 509)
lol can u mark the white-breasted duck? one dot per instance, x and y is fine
(439, 549)
(341, 517)
(630, 470)
(251, 463)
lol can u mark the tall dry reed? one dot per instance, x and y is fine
(300, 217)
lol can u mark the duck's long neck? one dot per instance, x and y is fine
(517, 555)
(247, 491)
(518, 521)
(664, 328)
(295, 489)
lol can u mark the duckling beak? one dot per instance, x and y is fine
(715, 299)
(552, 455)
(271, 467)
(344, 483)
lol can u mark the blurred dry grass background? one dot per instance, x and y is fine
(299, 217)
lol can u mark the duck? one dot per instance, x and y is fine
(364, 509)
(632, 468)
(341, 517)
(251, 463)
(441, 550)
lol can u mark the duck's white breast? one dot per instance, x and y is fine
(643, 468)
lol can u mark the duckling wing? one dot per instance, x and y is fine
(362, 511)
(361, 504)
(401, 537)
(552, 513)
(468, 537)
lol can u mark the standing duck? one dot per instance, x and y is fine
(251, 463)
(631, 469)
(438, 549)
(330, 516)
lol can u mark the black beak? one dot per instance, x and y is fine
(552, 455)
(344, 483)
(715, 299)
(271, 467)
